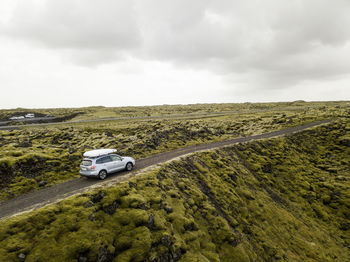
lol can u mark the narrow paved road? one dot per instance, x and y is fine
(51, 194)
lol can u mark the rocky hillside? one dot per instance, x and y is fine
(283, 199)
(37, 157)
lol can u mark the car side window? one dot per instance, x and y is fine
(104, 159)
(107, 159)
(116, 158)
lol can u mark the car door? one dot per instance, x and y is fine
(108, 163)
(117, 162)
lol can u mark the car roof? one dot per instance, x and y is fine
(99, 152)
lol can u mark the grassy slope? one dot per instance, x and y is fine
(37, 157)
(284, 199)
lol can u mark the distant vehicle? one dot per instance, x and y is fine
(101, 162)
(30, 115)
(16, 117)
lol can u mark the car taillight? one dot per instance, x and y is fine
(93, 167)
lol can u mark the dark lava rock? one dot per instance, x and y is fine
(267, 168)
(142, 206)
(177, 254)
(154, 141)
(233, 177)
(190, 227)
(88, 204)
(150, 222)
(55, 139)
(109, 133)
(110, 209)
(345, 142)
(104, 255)
(132, 184)
(166, 241)
(234, 241)
(166, 257)
(171, 256)
(214, 156)
(344, 226)
(167, 209)
(25, 144)
(97, 197)
(92, 217)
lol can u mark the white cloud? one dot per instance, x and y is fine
(244, 47)
(96, 30)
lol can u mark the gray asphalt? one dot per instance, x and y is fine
(51, 194)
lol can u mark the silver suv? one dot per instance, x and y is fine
(101, 162)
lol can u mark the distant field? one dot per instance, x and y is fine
(36, 157)
(105, 112)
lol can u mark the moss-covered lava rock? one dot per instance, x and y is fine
(283, 199)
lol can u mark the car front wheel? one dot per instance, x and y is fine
(129, 166)
(102, 175)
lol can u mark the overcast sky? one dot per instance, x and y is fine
(72, 53)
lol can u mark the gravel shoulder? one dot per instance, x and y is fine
(42, 197)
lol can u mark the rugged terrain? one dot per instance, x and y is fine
(282, 199)
(36, 157)
(95, 112)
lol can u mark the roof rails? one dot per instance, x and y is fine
(99, 152)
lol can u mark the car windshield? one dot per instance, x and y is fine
(86, 163)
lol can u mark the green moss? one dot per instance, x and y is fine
(23, 185)
(281, 199)
(56, 150)
(7, 162)
(133, 245)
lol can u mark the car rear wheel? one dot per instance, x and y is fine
(129, 166)
(102, 175)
